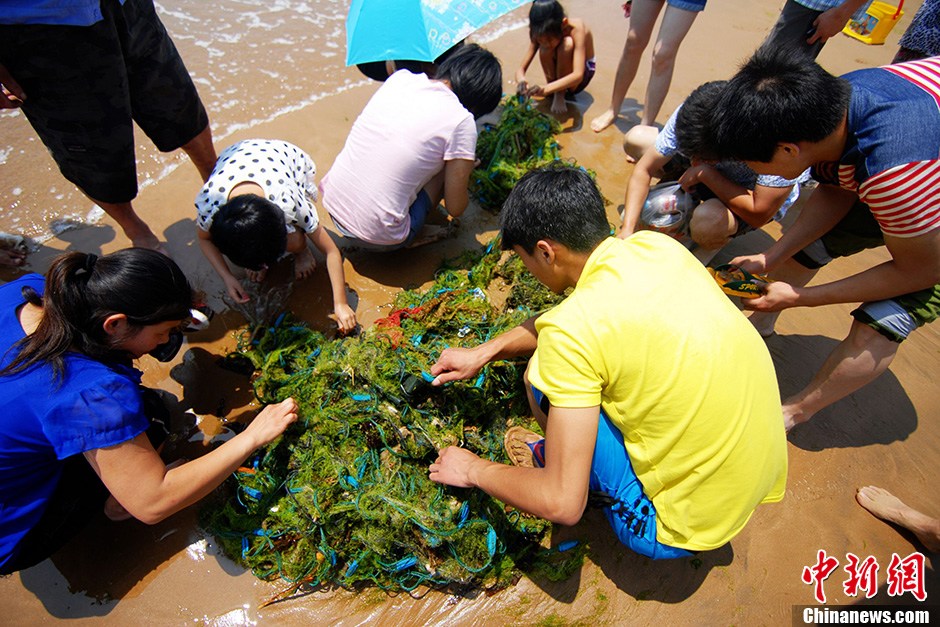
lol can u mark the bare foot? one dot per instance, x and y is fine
(304, 264)
(115, 511)
(432, 233)
(886, 506)
(13, 250)
(793, 417)
(558, 103)
(764, 322)
(256, 275)
(12, 258)
(602, 121)
(516, 443)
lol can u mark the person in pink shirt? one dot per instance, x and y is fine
(412, 146)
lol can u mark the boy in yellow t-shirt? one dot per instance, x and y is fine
(660, 402)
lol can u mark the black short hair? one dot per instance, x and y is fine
(778, 95)
(475, 76)
(250, 230)
(545, 18)
(558, 202)
(694, 136)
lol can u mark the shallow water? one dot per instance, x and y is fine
(251, 61)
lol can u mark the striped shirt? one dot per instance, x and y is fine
(892, 159)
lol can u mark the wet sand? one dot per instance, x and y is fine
(886, 434)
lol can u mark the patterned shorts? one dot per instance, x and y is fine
(86, 85)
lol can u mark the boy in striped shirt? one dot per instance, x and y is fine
(872, 138)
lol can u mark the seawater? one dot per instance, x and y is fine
(252, 61)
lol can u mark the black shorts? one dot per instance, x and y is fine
(86, 85)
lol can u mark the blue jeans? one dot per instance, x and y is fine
(417, 215)
(629, 511)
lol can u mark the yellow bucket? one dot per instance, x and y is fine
(877, 22)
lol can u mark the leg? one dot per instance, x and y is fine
(712, 224)
(564, 65)
(792, 28)
(675, 26)
(886, 506)
(638, 140)
(133, 226)
(202, 153)
(857, 361)
(642, 18)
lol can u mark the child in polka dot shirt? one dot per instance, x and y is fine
(257, 205)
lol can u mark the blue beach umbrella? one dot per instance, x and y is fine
(415, 30)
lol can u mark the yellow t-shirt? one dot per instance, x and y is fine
(648, 335)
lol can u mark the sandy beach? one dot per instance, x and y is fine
(886, 434)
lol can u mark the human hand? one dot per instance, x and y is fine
(624, 232)
(828, 24)
(452, 467)
(755, 264)
(345, 318)
(694, 175)
(11, 94)
(456, 364)
(235, 290)
(535, 90)
(271, 422)
(521, 88)
(777, 297)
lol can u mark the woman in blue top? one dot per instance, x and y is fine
(71, 407)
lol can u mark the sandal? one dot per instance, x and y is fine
(525, 448)
(735, 281)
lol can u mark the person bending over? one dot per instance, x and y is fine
(879, 176)
(413, 145)
(730, 206)
(257, 205)
(673, 428)
(565, 47)
(73, 419)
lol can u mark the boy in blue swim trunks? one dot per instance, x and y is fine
(677, 450)
(872, 139)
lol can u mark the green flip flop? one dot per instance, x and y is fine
(735, 281)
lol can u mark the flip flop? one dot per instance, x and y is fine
(735, 281)
(525, 448)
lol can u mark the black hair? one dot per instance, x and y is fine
(82, 290)
(475, 76)
(694, 136)
(558, 202)
(545, 18)
(250, 230)
(778, 95)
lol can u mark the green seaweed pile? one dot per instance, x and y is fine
(343, 498)
(522, 140)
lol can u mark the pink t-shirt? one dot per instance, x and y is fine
(402, 138)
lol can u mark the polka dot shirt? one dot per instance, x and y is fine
(284, 171)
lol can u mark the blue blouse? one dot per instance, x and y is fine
(44, 420)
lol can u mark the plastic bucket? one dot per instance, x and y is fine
(876, 23)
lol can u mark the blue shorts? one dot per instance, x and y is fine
(417, 215)
(616, 487)
(687, 5)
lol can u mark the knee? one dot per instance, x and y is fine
(636, 43)
(710, 224)
(639, 139)
(664, 56)
(863, 338)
